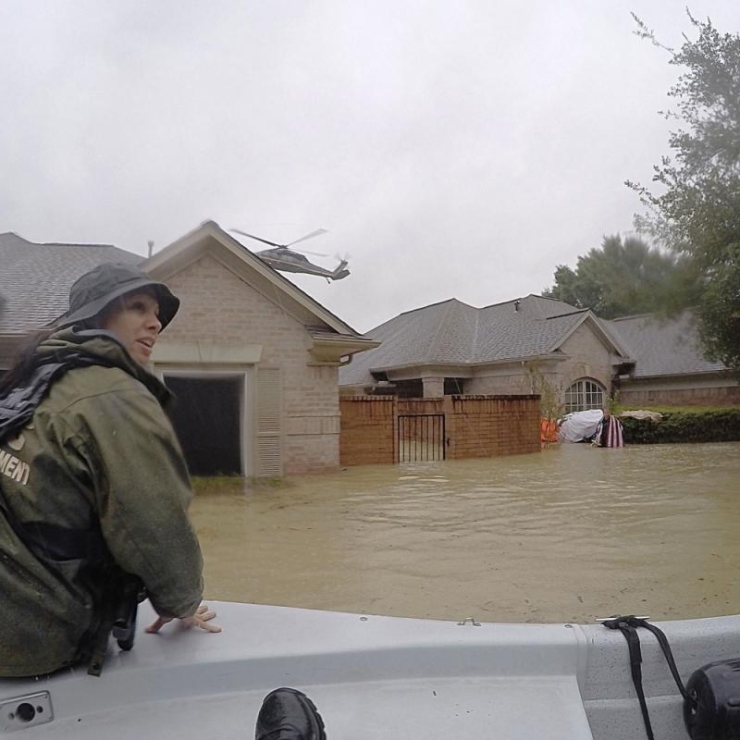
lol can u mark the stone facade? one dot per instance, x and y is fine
(219, 307)
(584, 356)
(587, 357)
(691, 391)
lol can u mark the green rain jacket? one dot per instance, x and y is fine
(99, 456)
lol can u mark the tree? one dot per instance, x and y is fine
(696, 209)
(622, 279)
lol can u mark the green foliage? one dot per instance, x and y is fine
(270, 482)
(217, 484)
(720, 425)
(696, 208)
(551, 394)
(622, 279)
(720, 310)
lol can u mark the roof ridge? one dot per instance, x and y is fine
(476, 334)
(430, 305)
(57, 244)
(633, 316)
(571, 313)
(501, 303)
(76, 244)
(444, 322)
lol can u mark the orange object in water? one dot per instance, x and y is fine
(548, 431)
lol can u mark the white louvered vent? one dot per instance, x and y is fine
(269, 407)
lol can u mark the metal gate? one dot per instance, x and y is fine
(421, 437)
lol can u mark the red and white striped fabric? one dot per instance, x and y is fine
(611, 435)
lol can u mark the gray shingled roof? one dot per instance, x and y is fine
(663, 347)
(35, 278)
(454, 333)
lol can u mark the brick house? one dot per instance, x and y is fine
(539, 345)
(252, 358)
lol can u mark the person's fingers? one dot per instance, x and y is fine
(207, 626)
(156, 626)
(201, 619)
(202, 616)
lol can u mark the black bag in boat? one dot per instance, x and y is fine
(712, 707)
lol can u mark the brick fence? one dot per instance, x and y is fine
(475, 426)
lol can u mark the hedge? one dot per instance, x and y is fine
(722, 425)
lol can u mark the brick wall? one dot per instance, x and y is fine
(489, 426)
(421, 406)
(367, 430)
(476, 426)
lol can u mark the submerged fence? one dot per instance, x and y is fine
(386, 430)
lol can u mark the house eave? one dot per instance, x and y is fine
(337, 349)
(468, 367)
(724, 373)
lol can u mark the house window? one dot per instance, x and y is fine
(454, 386)
(584, 395)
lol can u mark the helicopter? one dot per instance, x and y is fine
(281, 257)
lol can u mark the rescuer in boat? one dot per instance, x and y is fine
(94, 489)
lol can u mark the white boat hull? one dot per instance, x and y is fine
(375, 677)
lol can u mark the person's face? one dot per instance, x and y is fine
(134, 319)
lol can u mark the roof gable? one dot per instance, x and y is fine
(597, 326)
(210, 238)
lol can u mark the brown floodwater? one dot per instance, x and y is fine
(570, 534)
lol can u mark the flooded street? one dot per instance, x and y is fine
(570, 534)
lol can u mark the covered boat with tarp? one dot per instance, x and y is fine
(593, 425)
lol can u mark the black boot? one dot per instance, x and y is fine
(288, 714)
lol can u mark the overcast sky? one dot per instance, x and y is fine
(452, 149)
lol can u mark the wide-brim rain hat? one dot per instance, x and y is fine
(92, 292)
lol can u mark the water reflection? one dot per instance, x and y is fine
(567, 535)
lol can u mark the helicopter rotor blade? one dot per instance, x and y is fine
(318, 232)
(258, 238)
(315, 254)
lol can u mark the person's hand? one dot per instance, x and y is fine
(201, 619)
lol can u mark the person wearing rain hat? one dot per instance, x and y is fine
(94, 489)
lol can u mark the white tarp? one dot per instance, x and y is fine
(580, 425)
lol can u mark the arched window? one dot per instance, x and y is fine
(583, 395)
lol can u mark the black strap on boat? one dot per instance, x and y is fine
(628, 627)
